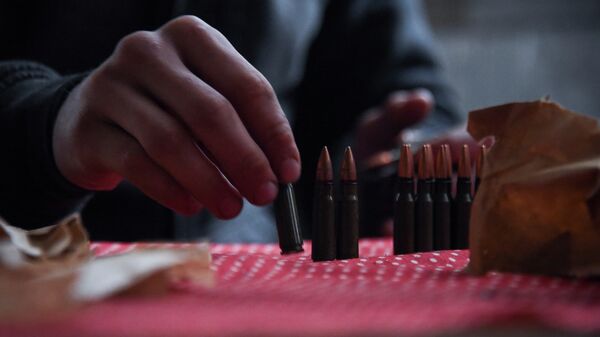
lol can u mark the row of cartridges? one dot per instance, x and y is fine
(430, 213)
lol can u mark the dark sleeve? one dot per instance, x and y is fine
(364, 51)
(33, 193)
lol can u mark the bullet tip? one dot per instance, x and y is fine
(443, 164)
(348, 170)
(324, 167)
(425, 164)
(405, 164)
(464, 163)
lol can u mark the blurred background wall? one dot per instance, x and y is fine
(497, 51)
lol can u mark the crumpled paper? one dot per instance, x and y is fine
(51, 270)
(537, 209)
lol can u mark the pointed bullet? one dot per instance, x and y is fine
(324, 167)
(348, 170)
(464, 163)
(406, 166)
(425, 164)
(443, 168)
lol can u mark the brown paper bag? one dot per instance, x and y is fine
(537, 209)
(50, 271)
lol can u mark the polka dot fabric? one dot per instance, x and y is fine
(261, 293)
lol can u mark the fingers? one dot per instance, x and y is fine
(122, 154)
(215, 124)
(380, 128)
(401, 110)
(211, 57)
(188, 111)
(168, 144)
(407, 108)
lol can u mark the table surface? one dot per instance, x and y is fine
(261, 293)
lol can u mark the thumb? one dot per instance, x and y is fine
(380, 129)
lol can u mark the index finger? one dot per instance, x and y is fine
(208, 54)
(381, 127)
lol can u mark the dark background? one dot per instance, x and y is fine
(499, 51)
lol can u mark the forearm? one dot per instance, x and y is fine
(33, 193)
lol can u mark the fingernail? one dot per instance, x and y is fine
(289, 171)
(230, 207)
(266, 193)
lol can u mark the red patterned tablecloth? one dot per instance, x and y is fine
(261, 293)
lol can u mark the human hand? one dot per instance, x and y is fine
(183, 116)
(381, 127)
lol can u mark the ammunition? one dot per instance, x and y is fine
(462, 201)
(483, 150)
(348, 221)
(323, 227)
(424, 201)
(442, 203)
(404, 204)
(288, 224)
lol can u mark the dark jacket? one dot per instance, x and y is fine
(328, 61)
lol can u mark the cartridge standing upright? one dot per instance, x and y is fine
(404, 204)
(442, 202)
(424, 201)
(323, 226)
(347, 219)
(462, 201)
(287, 221)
